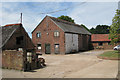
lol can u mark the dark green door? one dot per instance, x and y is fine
(47, 48)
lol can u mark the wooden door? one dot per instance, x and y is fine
(47, 49)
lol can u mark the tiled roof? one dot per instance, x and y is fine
(67, 26)
(100, 37)
(6, 32)
(70, 27)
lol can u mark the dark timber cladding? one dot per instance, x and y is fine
(57, 36)
(16, 44)
(14, 37)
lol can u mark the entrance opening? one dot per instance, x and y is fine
(47, 49)
(57, 48)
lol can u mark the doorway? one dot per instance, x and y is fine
(57, 48)
(47, 49)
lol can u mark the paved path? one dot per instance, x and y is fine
(81, 65)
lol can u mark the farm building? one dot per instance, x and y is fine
(56, 36)
(17, 48)
(101, 41)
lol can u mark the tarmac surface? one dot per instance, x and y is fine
(79, 65)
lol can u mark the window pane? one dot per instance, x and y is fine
(56, 34)
(39, 34)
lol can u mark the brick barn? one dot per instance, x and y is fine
(101, 41)
(56, 36)
(17, 48)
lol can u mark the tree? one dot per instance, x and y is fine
(100, 29)
(115, 28)
(92, 30)
(66, 18)
(85, 27)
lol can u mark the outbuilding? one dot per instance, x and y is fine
(101, 41)
(56, 36)
(18, 50)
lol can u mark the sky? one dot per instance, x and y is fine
(88, 13)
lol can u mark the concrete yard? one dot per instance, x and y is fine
(80, 65)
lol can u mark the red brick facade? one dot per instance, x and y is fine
(47, 36)
(72, 37)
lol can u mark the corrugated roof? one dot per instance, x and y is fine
(100, 37)
(70, 27)
(6, 32)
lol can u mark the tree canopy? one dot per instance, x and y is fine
(66, 18)
(100, 29)
(85, 27)
(115, 28)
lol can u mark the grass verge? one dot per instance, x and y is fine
(114, 55)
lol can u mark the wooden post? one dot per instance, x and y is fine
(21, 18)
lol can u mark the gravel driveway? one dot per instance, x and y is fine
(80, 65)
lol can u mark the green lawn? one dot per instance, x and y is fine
(111, 54)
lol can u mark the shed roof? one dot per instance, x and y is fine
(100, 37)
(6, 32)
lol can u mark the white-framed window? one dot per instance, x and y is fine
(56, 34)
(38, 35)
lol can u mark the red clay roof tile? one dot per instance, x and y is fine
(12, 24)
(100, 37)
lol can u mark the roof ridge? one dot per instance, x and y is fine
(8, 36)
(12, 24)
(63, 21)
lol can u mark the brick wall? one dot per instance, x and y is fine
(48, 26)
(12, 60)
(105, 45)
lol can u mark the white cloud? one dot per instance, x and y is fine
(31, 17)
(94, 13)
(88, 14)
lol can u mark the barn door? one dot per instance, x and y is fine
(57, 50)
(47, 49)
